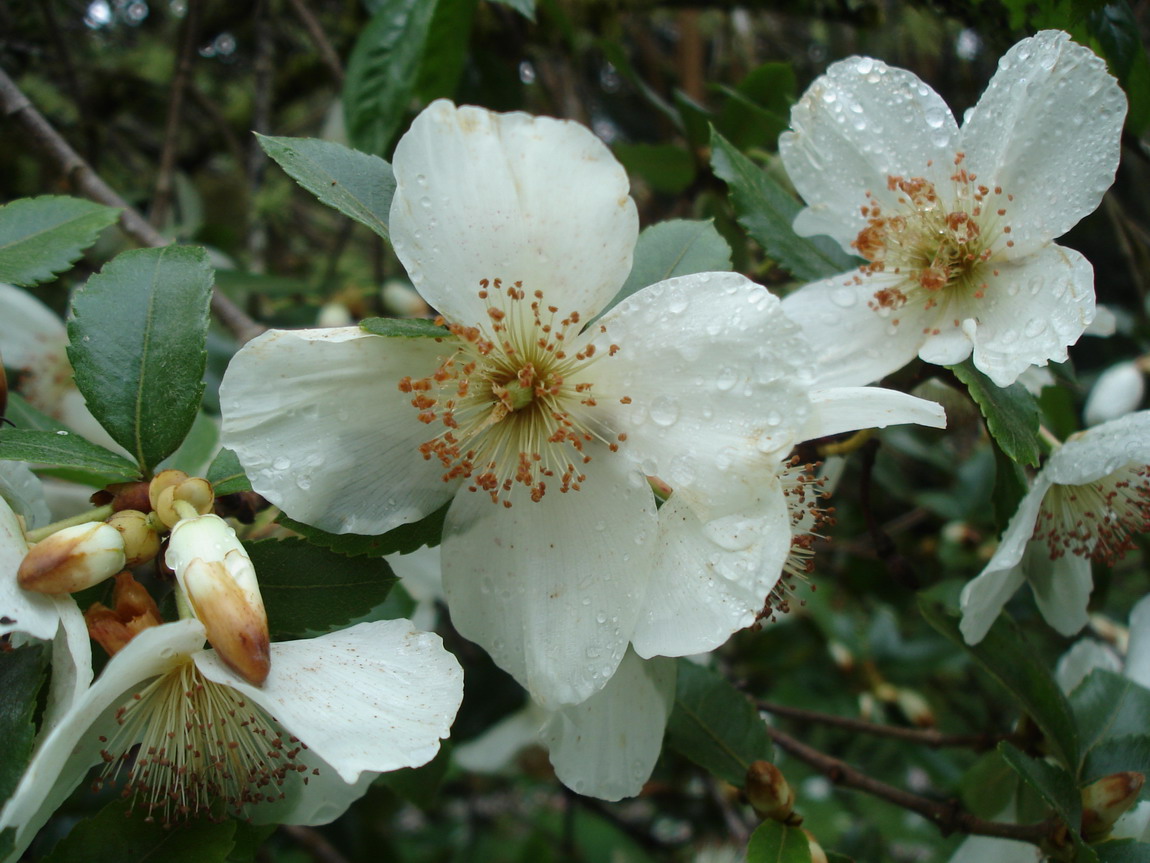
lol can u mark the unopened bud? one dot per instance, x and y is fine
(160, 482)
(133, 611)
(73, 559)
(219, 581)
(141, 541)
(818, 855)
(769, 794)
(193, 491)
(401, 299)
(841, 655)
(915, 708)
(1105, 801)
(1117, 392)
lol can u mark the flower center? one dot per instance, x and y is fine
(203, 750)
(938, 244)
(515, 398)
(1095, 519)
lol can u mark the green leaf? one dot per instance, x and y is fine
(1122, 851)
(407, 328)
(758, 108)
(526, 8)
(1011, 413)
(445, 54)
(64, 449)
(40, 237)
(226, 474)
(1010, 486)
(23, 416)
(248, 839)
(401, 540)
(310, 590)
(715, 725)
(1053, 784)
(667, 167)
(1005, 656)
(383, 71)
(1109, 706)
(357, 184)
(1116, 755)
(1116, 30)
(21, 675)
(197, 448)
(775, 842)
(137, 840)
(137, 347)
(767, 211)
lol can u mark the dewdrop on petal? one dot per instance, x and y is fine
(73, 559)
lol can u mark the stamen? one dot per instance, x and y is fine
(1095, 519)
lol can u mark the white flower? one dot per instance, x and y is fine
(542, 430)
(956, 225)
(1116, 392)
(1092, 493)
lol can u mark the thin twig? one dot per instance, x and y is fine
(925, 736)
(88, 183)
(319, 39)
(313, 842)
(948, 816)
(162, 197)
(263, 74)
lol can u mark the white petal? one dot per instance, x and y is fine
(34, 614)
(24, 493)
(716, 375)
(1061, 588)
(325, 797)
(1047, 131)
(1117, 391)
(841, 409)
(71, 663)
(1138, 648)
(1101, 450)
(857, 125)
(950, 345)
(32, 335)
(854, 344)
(710, 578)
(607, 746)
(322, 430)
(1034, 308)
(552, 589)
(481, 195)
(62, 759)
(420, 572)
(495, 749)
(374, 697)
(1084, 656)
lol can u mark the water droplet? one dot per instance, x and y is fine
(664, 411)
(935, 117)
(304, 482)
(601, 617)
(62, 433)
(594, 652)
(425, 202)
(677, 306)
(1035, 327)
(281, 463)
(864, 65)
(421, 179)
(728, 377)
(844, 298)
(600, 525)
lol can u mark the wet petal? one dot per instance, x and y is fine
(1061, 588)
(481, 195)
(1047, 131)
(1101, 450)
(22, 610)
(1138, 648)
(841, 409)
(1084, 656)
(322, 430)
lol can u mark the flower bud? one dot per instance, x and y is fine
(401, 299)
(141, 541)
(193, 490)
(915, 708)
(133, 611)
(769, 794)
(160, 482)
(219, 581)
(1117, 392)
(73, 559)
(1105, 801)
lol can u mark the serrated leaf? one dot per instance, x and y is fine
(383, 71)
(1117, 755)
(64, 449)
(400, 540)
(1005, 656)
(1053, 784)
(40, 237)
(1011, 413)
(766, 211)
(406, 328)
(1122, 851)
(359, 185)
(445, 54)
(775, 842)
(137, 337)
(674, 248)
(138, 840)
(21, 675)
(1109, 706)
(226, 474)
(715, 725)
(311, 590)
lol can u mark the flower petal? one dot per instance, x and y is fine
(1138, 648)
(552, 589)
(322, 430)
(714, 374)
(1034, 308)
(34, 614)
(1061, 588)
(841, 409)
(373, 697)
(1047, 131)
(853, 343)
(24, 493)
(710, 578)
(1084, 656)
(1101, 450)
(495, 749)
(857, 125)
(481, 195)
(607, 746)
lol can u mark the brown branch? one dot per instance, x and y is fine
(312, 841)
(948, 816)
(319, 39)
(162, 197)
(84, 180)
(924, 736)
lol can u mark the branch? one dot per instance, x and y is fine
(925, 736)
(946, 815)
(163, 194)
(83, 179)
(319, 39)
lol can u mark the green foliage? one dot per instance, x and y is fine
(445, 54)
(775, 842)
(1011, 413)
(1116, 754)
(666, 167)
(64, 449)
(383, 70)
(1111, 711)
(226, 474)
(359, 185)
(715, 725)
(401, 540)
(766, 211)
(40, 237)
(308, 590)
(21, 675)
(1053, 784)
(757, 109)
(1119, 39)
(526, 8)
(137, 347)
(1010, 486)
(405, 328)
(1122, 851)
